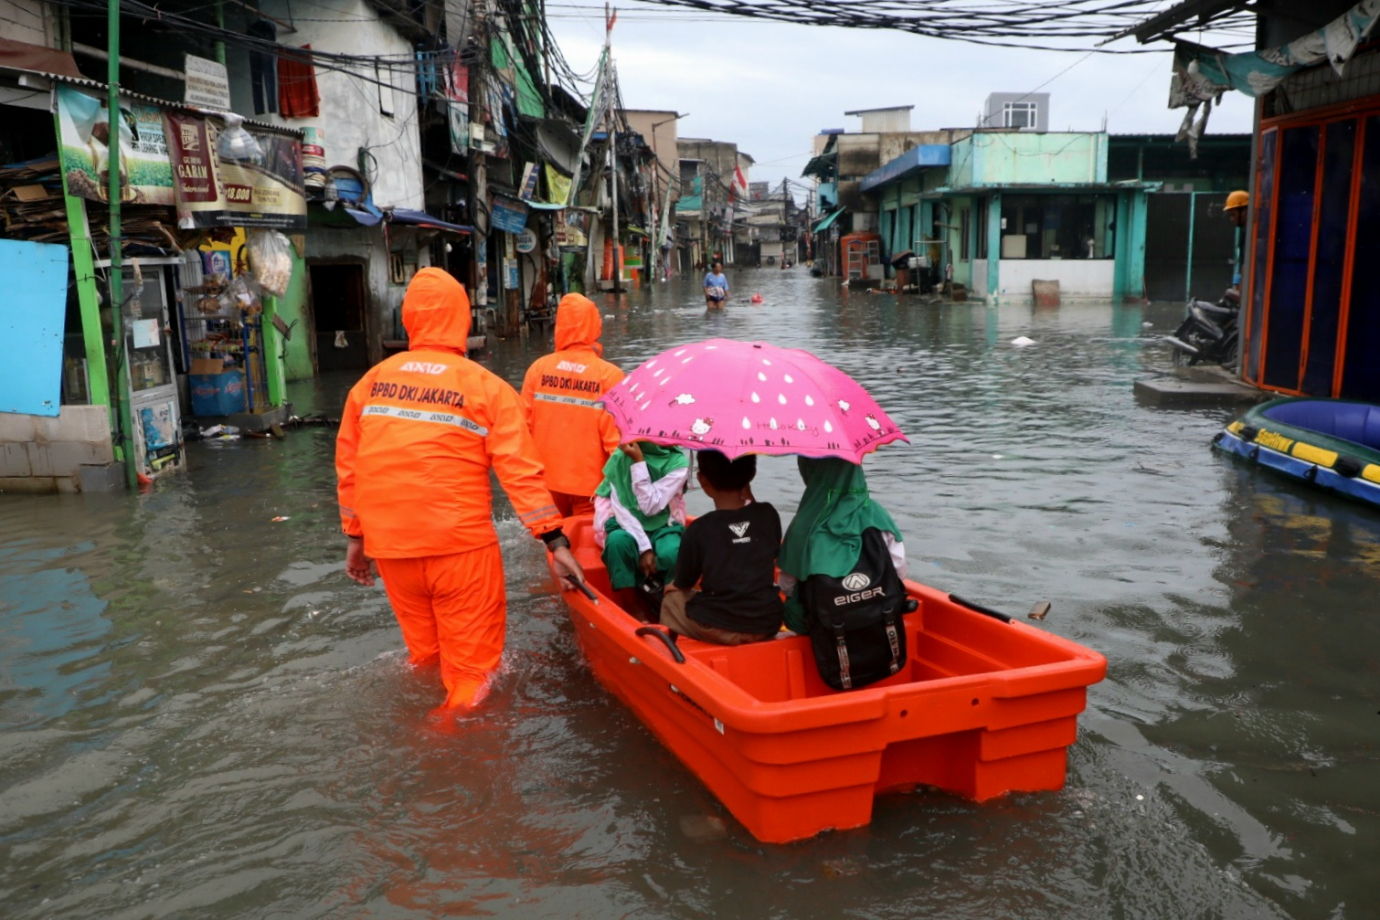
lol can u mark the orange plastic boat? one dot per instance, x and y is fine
(986, 705)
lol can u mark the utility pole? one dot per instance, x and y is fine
(613, 155)
(117, 285)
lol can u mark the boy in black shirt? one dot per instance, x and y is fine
(731, 554)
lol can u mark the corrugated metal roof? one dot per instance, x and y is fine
(88, 83)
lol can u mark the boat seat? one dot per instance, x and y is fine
(1350, 421)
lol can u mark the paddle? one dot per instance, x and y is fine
(986, 611)
(583, 589)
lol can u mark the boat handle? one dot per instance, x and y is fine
(665, 637)
(584, 589)
(986, 611)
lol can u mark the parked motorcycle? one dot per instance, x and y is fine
(1208, 334)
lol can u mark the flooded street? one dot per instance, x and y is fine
(201, 716)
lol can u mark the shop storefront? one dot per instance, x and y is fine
(1313, 317)
(204, 201)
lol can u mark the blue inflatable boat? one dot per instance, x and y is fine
(1331, 443)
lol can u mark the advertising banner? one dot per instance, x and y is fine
(261, 185)
(508, 215)
(458, 106)
(145, 171)
(557, 186)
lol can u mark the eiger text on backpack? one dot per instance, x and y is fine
(855, 621)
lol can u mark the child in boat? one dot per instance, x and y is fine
(724, 589)
(639, 513)
(827, 534)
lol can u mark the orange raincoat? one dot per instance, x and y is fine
(562, 395)
(418, 436)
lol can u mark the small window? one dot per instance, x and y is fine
(1019, 114)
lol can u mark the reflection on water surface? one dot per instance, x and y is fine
(202, 716)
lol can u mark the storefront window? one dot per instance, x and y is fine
(1057, 226)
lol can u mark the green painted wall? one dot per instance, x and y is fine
(292, 307)
(1020, 158)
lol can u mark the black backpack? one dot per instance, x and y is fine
(855, 621)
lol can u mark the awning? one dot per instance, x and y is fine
(17, 55)
(425, 221)
(367, 215)
(828, 221)
(914, 160)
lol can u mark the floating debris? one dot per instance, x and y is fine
(703, 827)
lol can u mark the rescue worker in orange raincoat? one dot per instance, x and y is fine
(562, 394)
(418, 436)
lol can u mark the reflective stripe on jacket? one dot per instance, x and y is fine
(562, 395)
(420, 432)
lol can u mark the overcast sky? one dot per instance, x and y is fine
(770, 87)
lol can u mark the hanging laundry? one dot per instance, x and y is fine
(298, 96)
(263, 70)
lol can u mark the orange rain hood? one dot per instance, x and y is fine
(436, 312)
(578, 324)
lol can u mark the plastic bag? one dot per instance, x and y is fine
(242, 295)
(270, 259)
(235, 142)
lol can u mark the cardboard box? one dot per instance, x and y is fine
(207, 367)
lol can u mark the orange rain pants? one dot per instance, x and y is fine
(452, 608)
(419, 436)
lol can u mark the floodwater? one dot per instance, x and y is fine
(200, 716)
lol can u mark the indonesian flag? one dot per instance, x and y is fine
(739, 179)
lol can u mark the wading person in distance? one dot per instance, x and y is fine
(562, 395)
(715, 287)
(418, 436)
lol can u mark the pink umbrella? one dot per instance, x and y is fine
(749, 398)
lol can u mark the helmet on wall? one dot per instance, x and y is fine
(1237, 200)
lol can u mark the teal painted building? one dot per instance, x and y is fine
(999, 209)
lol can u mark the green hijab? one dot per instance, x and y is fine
(618, 477)
(825, 538)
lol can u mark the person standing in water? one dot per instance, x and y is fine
(715, 287)
(419, 435)
(562, 395)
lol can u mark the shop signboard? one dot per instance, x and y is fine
(145, 170)
(207, 84)
(507, 215)
(529, 182)
(526, 241)
(261, 187)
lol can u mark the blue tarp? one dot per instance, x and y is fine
(33, 313)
